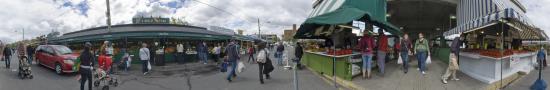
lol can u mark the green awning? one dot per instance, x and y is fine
(342, 12)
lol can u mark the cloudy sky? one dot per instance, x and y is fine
(39, 17)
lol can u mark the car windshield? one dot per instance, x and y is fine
(62, 50)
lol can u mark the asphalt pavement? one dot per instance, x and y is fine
(191, 76)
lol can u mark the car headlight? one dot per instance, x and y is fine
(68, 62)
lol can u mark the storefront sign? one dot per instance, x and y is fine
(151, 20)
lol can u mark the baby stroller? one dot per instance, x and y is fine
(24, 68)
(101, 75)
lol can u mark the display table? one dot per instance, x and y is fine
(323, 63)
(488, 69)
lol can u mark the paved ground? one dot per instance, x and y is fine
(526, 82)
(171, 77)
(396, 79)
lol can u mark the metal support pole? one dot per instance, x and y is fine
(259, 30)
(334, 65)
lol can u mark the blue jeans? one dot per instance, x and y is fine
(405, 58)
(421, 56)
(7, 60)
(233, 64)
(280, 58)
(367, 60)
(381, 59)
(29, 59)
(205, 57)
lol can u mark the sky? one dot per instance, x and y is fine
(39, 17)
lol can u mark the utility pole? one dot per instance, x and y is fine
(23, 34)
(259, 31)
(108, 17)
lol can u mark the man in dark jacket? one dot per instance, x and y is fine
(298, 52)
(279, 56)
(455, 47)
(30, 53)
(232, 56)
(86, 64)
(7, 55)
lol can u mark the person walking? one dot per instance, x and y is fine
(7, 56)
(382, 50)
(404, 49)
(86, 64)
(216, 51)
(421, 50)
(179, 51)
(279, 56)
(455, 46)
(144, 55)
(251, 52)
(30, 53)
(232, 56)
(541, 57)
(205, 53)
(298, 52)
(451, 69)
(366, 47)
(264, 63)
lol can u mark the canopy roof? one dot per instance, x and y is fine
(480, 14)
(342, 12)
(142, 31)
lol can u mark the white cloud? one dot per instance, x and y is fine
(39, 17)
(538, 12)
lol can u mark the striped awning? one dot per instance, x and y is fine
(477, 14)
(342, 12)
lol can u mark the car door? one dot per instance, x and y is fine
(49, 57)
(40, 51)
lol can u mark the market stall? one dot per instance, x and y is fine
(492, 52)
(330, 25)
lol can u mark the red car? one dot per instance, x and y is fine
(57, 57)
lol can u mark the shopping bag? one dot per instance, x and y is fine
(223, 67)
(268, 67)
(76, 66)
(399, 60)
(428, 60)
(240, 67)
(149, 65)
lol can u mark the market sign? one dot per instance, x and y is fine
(150, 20)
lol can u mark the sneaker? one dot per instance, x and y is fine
(456, 79)
(423, 73)
(444, 81)
(418, 69)
(204, 63)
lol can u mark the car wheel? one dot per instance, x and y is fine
(58, 69)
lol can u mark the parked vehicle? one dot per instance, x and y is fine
(57, 57)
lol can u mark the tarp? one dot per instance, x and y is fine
(342, 12)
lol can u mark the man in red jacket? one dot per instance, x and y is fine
(382, 50)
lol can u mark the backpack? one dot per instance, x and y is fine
(268, 67)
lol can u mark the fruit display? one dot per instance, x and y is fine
(495, 53)
(339, 52)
